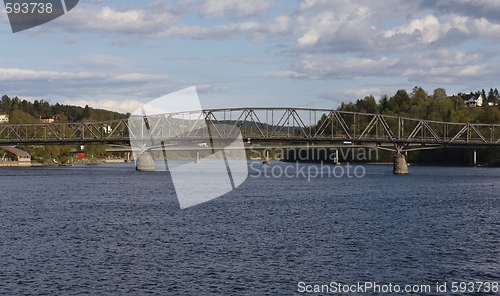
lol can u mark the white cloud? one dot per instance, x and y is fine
(447, 67)
(478, 27)
(344, 26)
(159, 20)
(316, 26)
(440, 66)
(15, 74)
(112, 105)
(210, 88)
(236, 8)
(139, 77)
(105, 20)
(77, 84)
(329, 27)
(283, 74)
(473, 9)
(350, 94)
(325, 67)
(428, 29)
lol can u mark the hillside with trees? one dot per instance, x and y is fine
(437, 106)
(23, 111)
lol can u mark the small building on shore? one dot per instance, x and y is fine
(472, 100)
(4, 118)
(47, 119)
(12, 156)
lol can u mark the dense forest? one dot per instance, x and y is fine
(23, 111)
(440, 107)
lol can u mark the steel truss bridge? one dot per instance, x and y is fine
(264, 125)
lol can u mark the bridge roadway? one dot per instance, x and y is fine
(269, 126)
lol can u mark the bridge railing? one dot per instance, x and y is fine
(63, 132)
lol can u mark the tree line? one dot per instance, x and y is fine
(24, 111)
(438, 106)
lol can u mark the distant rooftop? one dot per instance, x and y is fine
(16, 151)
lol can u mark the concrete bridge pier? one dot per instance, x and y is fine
(145, 162)
(336, 159)
(197, 160)
(267, 161)
(473, 157)
(400, 165)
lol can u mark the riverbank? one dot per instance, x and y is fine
(77, 162)
(52, 163)
(15, 164)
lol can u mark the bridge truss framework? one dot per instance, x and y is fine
(280, 125)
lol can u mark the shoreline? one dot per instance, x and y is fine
(69, 164)
(118, 161)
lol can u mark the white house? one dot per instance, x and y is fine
(472, 100)
(4, 118)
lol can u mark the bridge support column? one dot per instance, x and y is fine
(336, 159)
(145, 162)
(400, 165)
(197, 160)
(267, 161)
(473, 157)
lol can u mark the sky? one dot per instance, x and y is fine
(252, 53)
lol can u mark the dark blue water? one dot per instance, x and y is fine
(111, 230)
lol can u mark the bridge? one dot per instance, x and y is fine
(262, 125)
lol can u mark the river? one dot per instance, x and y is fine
(109, 229)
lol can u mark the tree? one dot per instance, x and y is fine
(418, 93)
(5, 104)
(86, 112)
(367, 105)
(45, 109)
(15, 104)
(57, 109)
(400, 102)
(25, 106)
(18, 116)
(458, 101)
(439, 93)
(440, 109)
(36, 108)
(383, 103)
(491, 96)
(490, 115)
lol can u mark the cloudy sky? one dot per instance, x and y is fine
(310, 53)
